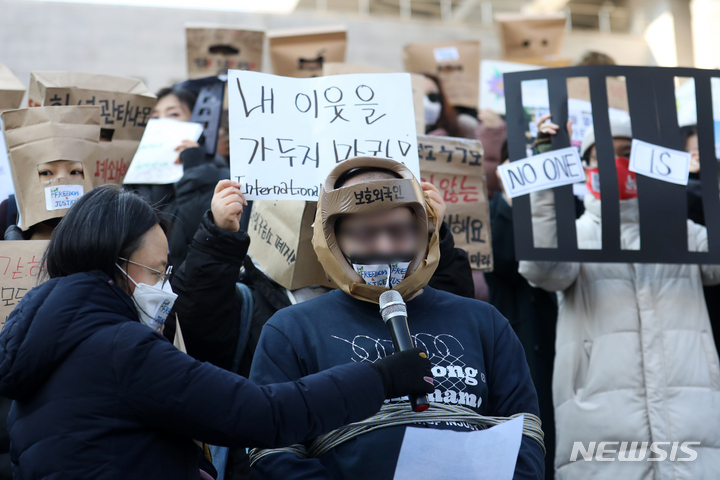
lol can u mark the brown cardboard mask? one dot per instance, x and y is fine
(302, 53)
(281, 242)
(455, 167)
(11, 90)
(457, 63)
(213, 50)
(417, 80)
(36, 136)
(20, 263)
(579, 87)
(126, 106)
(371, 197)
(531, 36)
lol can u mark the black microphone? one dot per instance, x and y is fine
(394, 314)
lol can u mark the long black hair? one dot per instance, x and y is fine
(104, 224)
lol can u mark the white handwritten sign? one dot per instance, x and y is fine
(154, 161)
(540, 172)
(287, 134)
(659, 162)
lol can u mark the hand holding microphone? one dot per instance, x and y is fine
(394, 314)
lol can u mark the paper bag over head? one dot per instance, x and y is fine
(402, 192)
(36, 136)
(524, 37)
(456, 63)
(213, 50)
(11, 90)
(126, 106)
(302, 52)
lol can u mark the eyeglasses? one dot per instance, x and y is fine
(398, 233)
(164, 277)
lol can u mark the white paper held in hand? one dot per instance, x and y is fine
(483, 455)
(540, 172)
(154, 161)
(659, 162)
(287, 134)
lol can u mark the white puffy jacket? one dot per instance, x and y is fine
(635, 355)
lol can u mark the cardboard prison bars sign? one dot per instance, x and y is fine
(126, 107)
(455, 167)
(20, 265)
(662, 205)
(213, 51)
(281, 241)
(456, 63)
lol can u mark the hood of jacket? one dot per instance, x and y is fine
(51, 321)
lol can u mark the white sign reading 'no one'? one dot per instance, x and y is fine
(287, 134)
(540, 172)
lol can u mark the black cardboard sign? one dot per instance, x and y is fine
(662, 205)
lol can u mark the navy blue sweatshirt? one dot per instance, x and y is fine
(478, 362)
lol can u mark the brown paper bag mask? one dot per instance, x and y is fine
(302, 53)
(126, 106)
(11, 90)
(457, 63)
(531, 36)
(38, 136)
(213, 50)
(281, 242)
(374, 197)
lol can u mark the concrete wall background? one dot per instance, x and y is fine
(149, 43)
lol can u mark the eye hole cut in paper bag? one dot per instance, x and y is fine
(126, 106)
(532, 38)
(301, 53)
(417, 80)
(20, 266)
(457, 63)
(36, 136)
(455, 167)
(213, 51)
(281, 241)
(11, 90)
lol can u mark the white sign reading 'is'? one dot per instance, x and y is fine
(540, 172)
(659, 162)
(287, 134)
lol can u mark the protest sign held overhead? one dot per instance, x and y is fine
(455, 167)
(287, 134)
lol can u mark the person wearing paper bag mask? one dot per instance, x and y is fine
(50, 148)
(480, 367)
(96, 388)
(225, 333)
(634, 341)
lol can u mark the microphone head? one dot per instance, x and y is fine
(392, 305)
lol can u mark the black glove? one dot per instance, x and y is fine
(405, 373)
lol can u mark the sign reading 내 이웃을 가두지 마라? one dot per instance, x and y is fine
(287, 134)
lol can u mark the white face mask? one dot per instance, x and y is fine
(382, 275)
(153, 302)
(432, 111)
